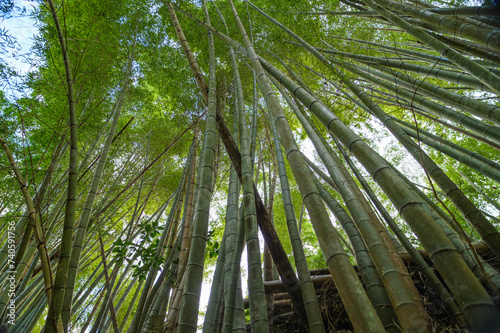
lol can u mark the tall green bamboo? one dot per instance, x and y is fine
(445, 296)
(402, 102)
(482, 11)
(434, 60)
(235, 234)
(470, 212)
(81, 229)
(359, 308)
(371, 278)
(486, 131)
(406, 78)
(483, 271)
(264, 220)
(406, 301)
(216, 291)
(308, 292)
(463, 103)
(54, 322)
(442, 252)
(188, 315)
(332, 251)
(430, 71)
(258, 315)
(168, 232)
(187, 218)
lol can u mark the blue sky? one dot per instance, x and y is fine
(21, 27)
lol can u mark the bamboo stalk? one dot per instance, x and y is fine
(39, 235)
(310, 299)
(54, 320)
(188, 313)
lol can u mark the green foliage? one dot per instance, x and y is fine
(213, 246)
(164, 100)
(146, 247)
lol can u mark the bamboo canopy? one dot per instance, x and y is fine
(235, 166)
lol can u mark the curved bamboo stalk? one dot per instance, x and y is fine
(39, 235)
(54, 322)
(365, 319)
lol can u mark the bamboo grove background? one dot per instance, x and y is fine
(155, 145)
